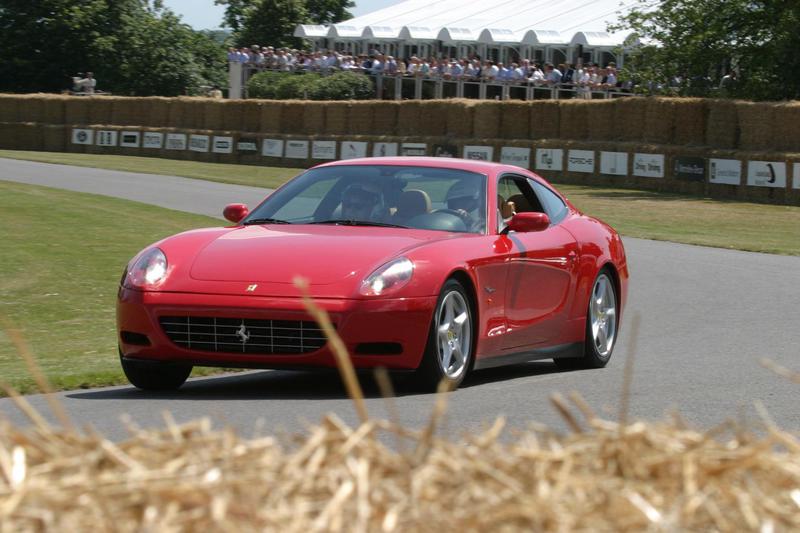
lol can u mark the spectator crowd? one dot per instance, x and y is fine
(583, 77)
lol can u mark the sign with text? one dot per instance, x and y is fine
(411, 149)
(106, 138)
(519, 157)
(384, 149)
(445, 150)
(648, 165)
(152, 139)
(478, 153)
(176, 141)
(130, 139)
(297, 149)
(353, 149)
(247, 144)
(199, 143)
(82, 136)
(222, 145)
(549, 159)
(725, 171)
(323, 150)
(689, 168)
(273, 148)
(580, 161)
(766, 174)
(614, 163)
(796, 176)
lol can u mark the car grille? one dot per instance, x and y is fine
(243, 335)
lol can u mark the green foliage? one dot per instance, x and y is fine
(697, 41)
(288, 86)
(132, 46)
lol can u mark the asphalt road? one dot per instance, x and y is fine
(706, 318)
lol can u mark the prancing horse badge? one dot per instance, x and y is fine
(251, 288)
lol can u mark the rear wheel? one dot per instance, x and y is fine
(152, 375)
(601, 325)
(449, 352)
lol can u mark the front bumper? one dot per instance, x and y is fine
(360, 323)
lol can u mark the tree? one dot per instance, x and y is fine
(698, 40)
(328, 11)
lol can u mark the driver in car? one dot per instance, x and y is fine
(464, 198)
(363, 201)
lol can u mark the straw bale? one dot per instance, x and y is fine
(54, 137)
(515, 120)
(31, 109)
(361, 118)
(600, 120)
(187, 113)
(722, 126)
(545, 119)
(690, 121)
(270, 120)
(786, 129)
(337, 116)
(313, 117)
(76, 111)
(460, 117)
(384, 117)
(658, 120)
(574, 123)
(487, 119)
(128, 111)
(408, 117)
(433, 118)
(9, 108)
(214, 114)
(251, 115)
(629, 117)
(158, 112)
(756, 125)
(232, 114)
(100, 108)
(293, 116)
(8, 137)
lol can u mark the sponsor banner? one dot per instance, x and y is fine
(130, 139)
(725, 171)
(409, 149)
(519, 157)
(105, 138)
(222, 145)
(152, 139)
(82, 136)
(274, 148)
(384, 149)
(353, 149)
(796, 176)
(614, 163)
(690, 168)
(580, 161)
(323, 150)
(176, 141)
(297, 149)
(445, 150)
(199, 143)
(549, 159)
(648, 165)
(247, 144)
(478, 153)
(766, 174)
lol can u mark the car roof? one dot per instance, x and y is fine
(483, 167)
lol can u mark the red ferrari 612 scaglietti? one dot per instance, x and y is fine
(432, 265)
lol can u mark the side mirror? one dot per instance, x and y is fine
(527, 222)
(235, 212)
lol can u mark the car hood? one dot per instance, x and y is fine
(323, 254)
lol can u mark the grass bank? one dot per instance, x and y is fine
(635, 213)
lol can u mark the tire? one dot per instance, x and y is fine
(154, 376)
(602, 323)
(451, 341)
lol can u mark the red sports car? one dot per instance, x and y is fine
(431, 265)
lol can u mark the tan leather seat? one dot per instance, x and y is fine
(411, 203)
(521, 204)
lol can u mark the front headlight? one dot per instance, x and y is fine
(148, 270)
(390, 277)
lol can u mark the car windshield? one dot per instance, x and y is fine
(380, 195)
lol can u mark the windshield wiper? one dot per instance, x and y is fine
(350, 222)
(264, 221)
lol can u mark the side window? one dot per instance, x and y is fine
(554, 206)
(515, 189)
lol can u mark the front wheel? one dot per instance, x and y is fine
(449, 352)
(601, 326)
(155, 376)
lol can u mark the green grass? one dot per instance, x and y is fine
(63, 254)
